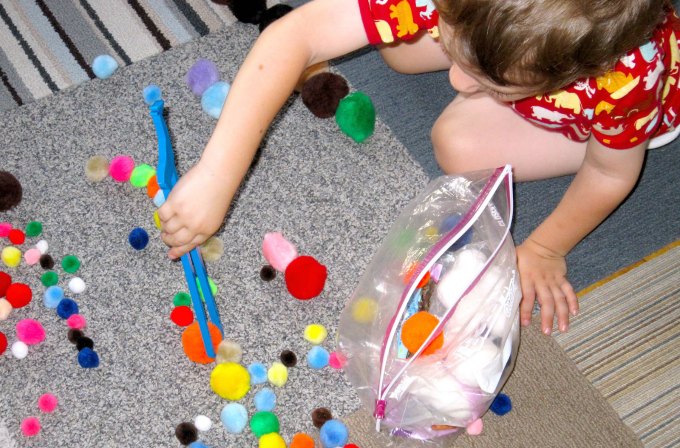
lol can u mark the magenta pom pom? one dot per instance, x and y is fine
(47, 403)
(202, 75)
(337, 360)
(32, 256)
(5, 228)
(121, 168)
(76, 321)
(30, 331)
(30, 426)
(278, 251)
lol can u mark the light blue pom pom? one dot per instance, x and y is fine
(333, 434)
(234, 417)
(198, 444)
(258, 373)
(213, 99)
(53, 296)
(265, 400)
(103, 66)
(159, 199)
(152, 93)
(318, 357)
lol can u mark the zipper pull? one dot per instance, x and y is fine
(379, 413)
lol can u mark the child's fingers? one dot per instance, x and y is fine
(545, 298)
(179, 238)
(572, 299)
(561, 308)
(526, 306)
(178, 251)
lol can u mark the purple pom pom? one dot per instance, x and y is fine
(202, 75)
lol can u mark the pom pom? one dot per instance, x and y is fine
(182, 299)
(88, 358)
(3, 342)
(211, 283)
(32, 256)
(138, 238)
(229, 351)
(34, 228)
(11, 256)
(141, 174)
(66, 308)
(74, 334)
(501, 405)
(475, 428)
(317, 357)
(234, 417)
(321, 416)
(192, 342)
(333, 433)
(186, 433)
(277, 374)
(19, 350)
(322, 93)
(151, 94)
(337, 360)
(52, 296)
(5, 227)
(315, 333)
(5, 309)
(97, 168)
(278, 251)
(10, 191)
(356, 116)
(198, 444)
(288, 358)
(16, 236)
(30, 331)
(230, 381)
(5, 281)
(271, 440)
(30, 426)
(48, 403)
(19, 295)
(152, 189)
(267, 273)
(247, 11)
(76, 321)
(417, 328)
(46, 261)
(264, 423)
(212, 249)
(265, 400)
(76, 285)
(159, 199)
(201, 75)
(70, 264)
(258, 373)
(202, 423)
(182, 316)
(214, 97)
(103, 66)
(84, 342)
(448, 224)
(302, 440)
(42, 246)
(272, 14)
(121, 168)
(305, 277)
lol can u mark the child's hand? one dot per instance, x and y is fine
(543, 277)
(194, 211)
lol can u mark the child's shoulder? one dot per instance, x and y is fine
(388, 21)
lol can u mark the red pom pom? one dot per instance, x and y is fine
(19, 295)
(305, 277)
(5, 281)
(3, 342)
(182, 316)
(16, 236)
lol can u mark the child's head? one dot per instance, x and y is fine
(543, 45)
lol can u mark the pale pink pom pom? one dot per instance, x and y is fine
(121, 168)
(475, 428)
(32, 256)
(76, 321)
(30, 426)
(278, 251)
(337, 360)
(47, 403)
(30, 331)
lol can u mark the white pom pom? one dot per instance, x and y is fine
(19, 350)
(203, 423)
(76, 285)
(42, 246)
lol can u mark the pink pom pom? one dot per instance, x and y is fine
(47, 403)
(76, 321)
(30, 426)
(121, 168)
(32, 256)
(30, 331)
(278, 251)
(475, 428)
(337, 360)
(5, 227)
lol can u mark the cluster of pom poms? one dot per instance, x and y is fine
(30, 426)
(203, 78)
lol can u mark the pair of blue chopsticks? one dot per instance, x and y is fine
(166, 175)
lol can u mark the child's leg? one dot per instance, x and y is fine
(477, 132)
(420, 55)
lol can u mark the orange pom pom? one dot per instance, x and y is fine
(417, 328)
(193, 343)
(152, 187)
(302, 440)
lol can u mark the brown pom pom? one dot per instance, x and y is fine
(322, 93)
(267, 273)
(288, 358)
(10, 191)
(74, 335)
(97, 168)
(186, 433)
(46, 261)
(321, 416)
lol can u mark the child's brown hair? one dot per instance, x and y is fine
(546, 44)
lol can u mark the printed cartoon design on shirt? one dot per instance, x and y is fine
(387, 21)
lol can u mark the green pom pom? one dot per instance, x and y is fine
(33, 228)
(182, 299)
(356, 116)
(141, 175)
(49, 278)
(213, 288)
(264, 423)
(70, 264)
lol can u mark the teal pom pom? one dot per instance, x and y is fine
(356, 116)
(213, 98)
(152, 93)
(103, 66)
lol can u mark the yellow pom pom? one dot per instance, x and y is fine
(157, 220)
(11, 256)
(272, 440)
(315, 333)
(364, 310)
(277, 374)
(230, 381)
(431, 233)
(97, 168)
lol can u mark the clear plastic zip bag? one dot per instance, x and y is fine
(431, 332)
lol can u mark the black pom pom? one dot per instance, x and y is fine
(83, 342)
(74, 335)
(288, 358)
(46, 261)
(248, 11)
(274, 13)
(186, 433)
(10, 191)
(322, 93)
(321, 416)
(267, 273)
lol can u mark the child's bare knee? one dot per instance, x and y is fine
(453, 148)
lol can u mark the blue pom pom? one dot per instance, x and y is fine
(448, 224)
(88, 358)
(501, 405)
(53, 296)
(67, 308)
(213, 99)
(202, 75)
(198, 444)
(333, 434)
(265, 400)
(258, 373)
(152, 93)
(103, 66)
(234, 417)
(138, 238)
(159, 199)
(318, 357)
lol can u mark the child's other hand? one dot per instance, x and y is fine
(543, 277)
(194, 210)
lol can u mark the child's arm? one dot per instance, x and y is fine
(603, 181)
(318, 31)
